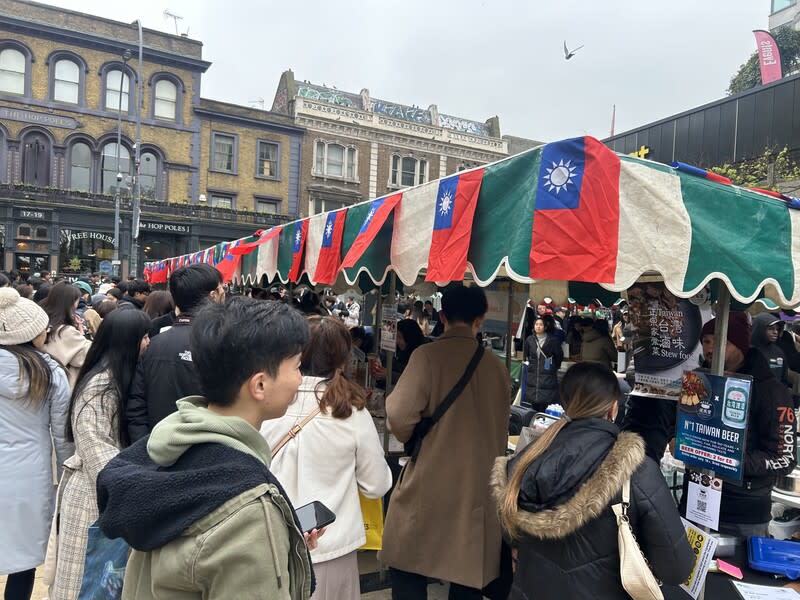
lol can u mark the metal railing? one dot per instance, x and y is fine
(76, 199)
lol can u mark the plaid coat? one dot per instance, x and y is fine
(94, 426)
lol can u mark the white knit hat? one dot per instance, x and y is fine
(21, 320)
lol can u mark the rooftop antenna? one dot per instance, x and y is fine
(258, 101)
(174, 17)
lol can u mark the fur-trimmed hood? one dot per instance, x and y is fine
(587, 501)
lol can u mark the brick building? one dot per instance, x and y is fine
(208, 171)
(357, 147)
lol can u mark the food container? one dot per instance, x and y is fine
(774, 556)
(790, 484)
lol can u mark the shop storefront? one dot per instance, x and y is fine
(85, 252)
(31, 233)
(160, 239)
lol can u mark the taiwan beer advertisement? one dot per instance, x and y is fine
(712, 423)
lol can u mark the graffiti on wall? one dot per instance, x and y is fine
(463, 125)
(400, 111)
(326, 95)
(281, 103)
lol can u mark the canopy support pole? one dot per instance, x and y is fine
(509, 324)
(721, 330)
(389, 355)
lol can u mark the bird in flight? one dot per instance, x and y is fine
(570, 53)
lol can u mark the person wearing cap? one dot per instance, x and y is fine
(34, 403)
(85, 300)
(767, 330)
(770, 452)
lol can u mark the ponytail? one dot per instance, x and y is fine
(341, 396)
(588, 390)
(510, 505)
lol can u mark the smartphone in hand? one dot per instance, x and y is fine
(314, 515)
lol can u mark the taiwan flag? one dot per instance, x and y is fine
(379, 211)
(263, 238)
(229, 262)
(452, 226)
(576, 214)
(209, 255)
(330, 250)
(298, 244)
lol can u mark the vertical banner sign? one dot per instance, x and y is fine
(389, 329)
(666, 339)
(769, 57)
(712, 423)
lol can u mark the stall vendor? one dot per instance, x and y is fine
(770, 453)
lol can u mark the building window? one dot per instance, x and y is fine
(109, 171)
(267, 206)
(66, 82)
(41, 233)
(36, 159)
(778, 5)
(80, 173)
(148, 176)
(221, 200)
(166, 99)
(268, 160)
(335, 160)
(320, 205)
(408, 171)
(24, 231)
(223, 152)
(12, 71)
(117, 90)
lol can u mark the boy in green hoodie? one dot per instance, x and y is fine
(196, 500)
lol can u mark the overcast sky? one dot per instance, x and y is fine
(473, 58)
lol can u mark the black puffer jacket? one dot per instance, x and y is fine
(164, 375)
(771, 350)
(542, 383)
(569, 549)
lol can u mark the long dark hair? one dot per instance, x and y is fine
(60, 307)
(326, 355)
(35, 376)
(587, 391)
(413, 336)
(115, 349)
(158, 303)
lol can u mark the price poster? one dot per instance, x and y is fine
(703, 545)
(712, 423)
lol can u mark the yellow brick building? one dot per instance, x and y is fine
(207, 171)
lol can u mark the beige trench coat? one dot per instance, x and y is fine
(94, 425)
(441, 520)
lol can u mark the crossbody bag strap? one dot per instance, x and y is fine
(294, 431)
(458, 387)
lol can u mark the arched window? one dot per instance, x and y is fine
(148, 176)
(166, 98)
(117, 90)
(66, 81)
(80, 173)
(109, 171)
(36, 159)
(12, 71)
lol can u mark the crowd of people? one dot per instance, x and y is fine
(191, 422)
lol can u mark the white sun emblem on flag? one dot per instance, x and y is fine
(370, 214)
(297, 237)
(446, 203)
(559, 176)
(329, 230)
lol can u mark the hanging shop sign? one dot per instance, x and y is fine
(666, 339)
(712, 419)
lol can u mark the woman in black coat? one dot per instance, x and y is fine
(544, 355)
(554, 500)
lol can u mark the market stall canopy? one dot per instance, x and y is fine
(571, 210)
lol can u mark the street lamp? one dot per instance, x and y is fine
(137, 188)
(126, 56)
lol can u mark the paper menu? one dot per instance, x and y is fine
(748, 591)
